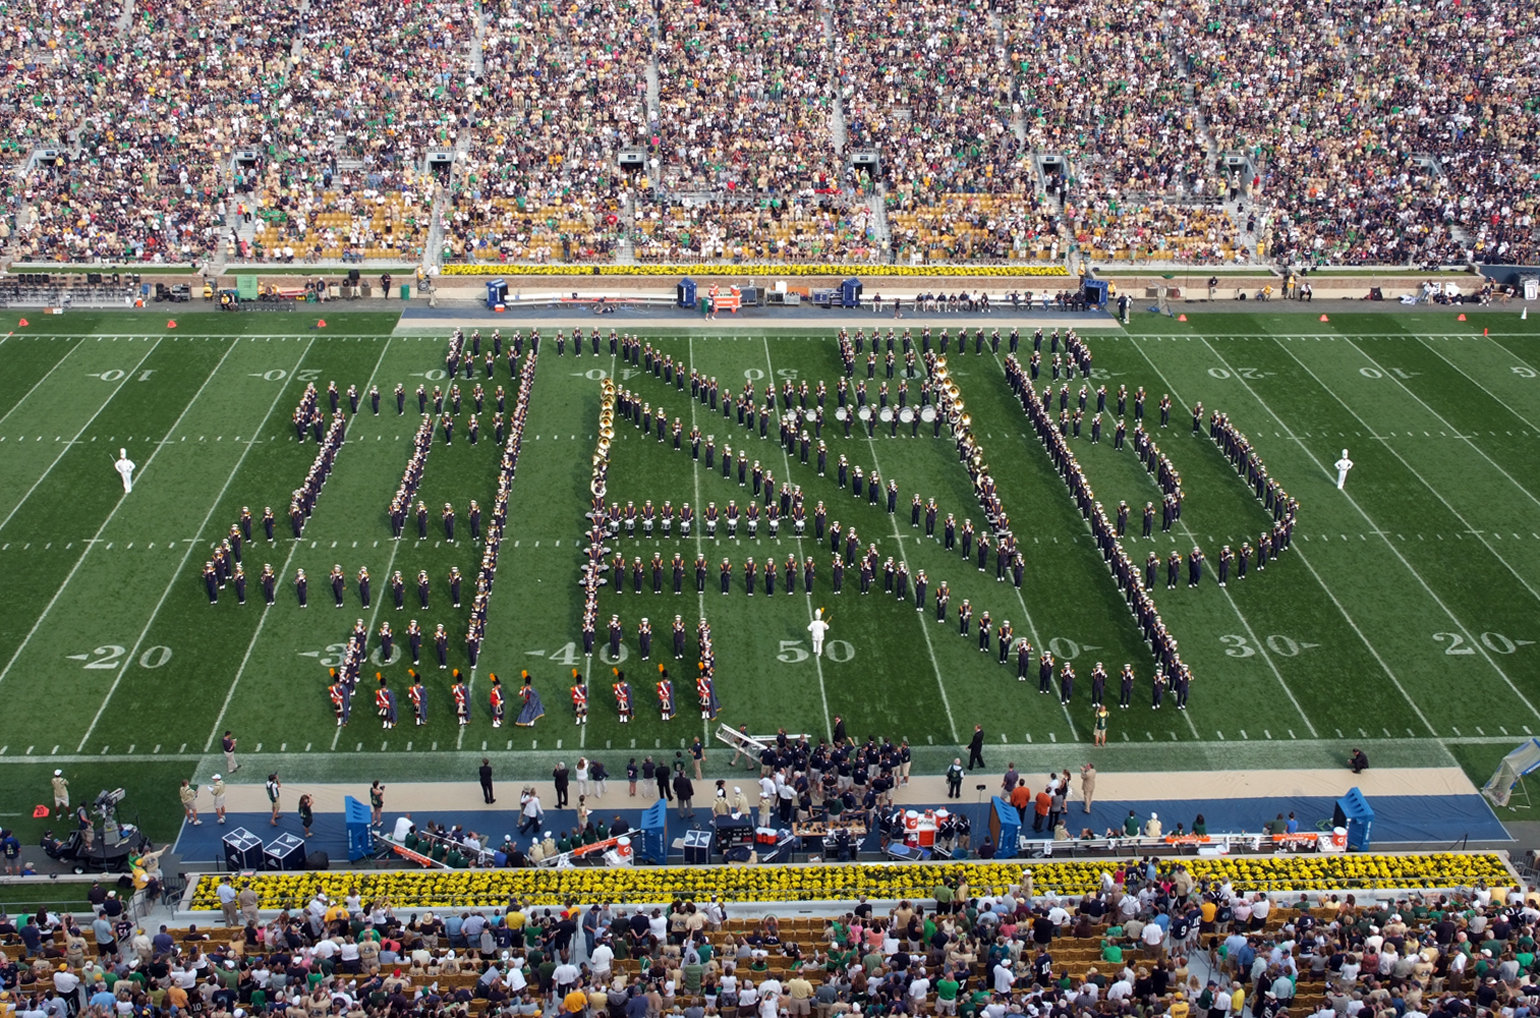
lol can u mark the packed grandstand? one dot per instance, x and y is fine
(1204, 132)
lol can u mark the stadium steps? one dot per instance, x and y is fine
(654, 90)
(475, 57)
(882, 234)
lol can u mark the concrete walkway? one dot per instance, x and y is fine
(428, 797)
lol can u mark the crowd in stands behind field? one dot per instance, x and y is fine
(1205, 131)
(562, 92)
(1151, 940)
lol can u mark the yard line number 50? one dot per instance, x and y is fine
(794, 652)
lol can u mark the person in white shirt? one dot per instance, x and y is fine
(125, 468)
(1124, 988)
(564, 977)
(919, 989)
(1343, 466)
(769, 1003)
(602, 959)
(1004, 978)
(748, 998)
(66, 983)
(819, 627)
(513, 977)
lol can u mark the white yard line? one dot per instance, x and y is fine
(99, 530)
(282, 572)
(1493, 340)
(1391, 375)
(930, 648)
(71, 443)
(1415, 473)
(177, 576)
(379, 602)
(1490, 394)
(588, 662)
(1190, 724)
(45, 377)
(823, 694)
(1377, 529)
(1300, 552)
(700, 546)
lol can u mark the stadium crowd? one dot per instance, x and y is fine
(1200, 132)
(1150, 939)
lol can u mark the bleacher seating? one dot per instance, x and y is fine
(748, 144)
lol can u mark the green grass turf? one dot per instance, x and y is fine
(1403, 617)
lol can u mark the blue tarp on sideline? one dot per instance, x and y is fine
(1398, 820)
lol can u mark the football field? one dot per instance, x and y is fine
(1405, 617)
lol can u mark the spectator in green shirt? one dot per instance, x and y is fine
(946, 994)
